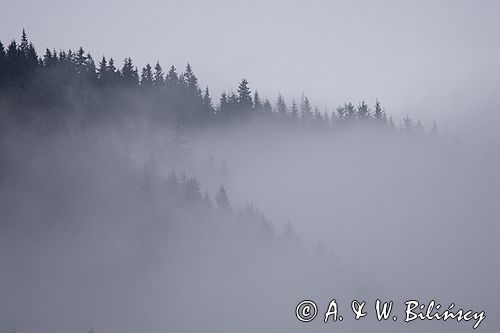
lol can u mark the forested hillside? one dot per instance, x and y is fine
(60, 88)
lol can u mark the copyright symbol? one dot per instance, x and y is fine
(306, 311)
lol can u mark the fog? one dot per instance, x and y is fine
(94, 238)
(138, 201)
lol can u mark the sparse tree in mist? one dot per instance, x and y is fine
(340, 113)
(349, 112)
(281, 107)
(294, 111)
(379, 115)
(391, 124)
(363, 111)
(318, 117)
(257, 103)
(221, 199)
(305, 109)
(267, 107)
(419, 129)
(434, 134)
(407, 125)
(223, 111)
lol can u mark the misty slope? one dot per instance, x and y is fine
(105, 222)
(92, 238)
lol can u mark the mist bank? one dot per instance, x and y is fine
(133, 204)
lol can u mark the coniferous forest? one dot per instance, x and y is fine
(134, 200)
(99, 90)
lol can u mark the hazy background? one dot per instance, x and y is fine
(84, 243)
(429, 59)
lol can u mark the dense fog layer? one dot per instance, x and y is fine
(98, 233)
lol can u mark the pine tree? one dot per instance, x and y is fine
(318, 117)
(113, 76)
(2, 52)
(2, 63)
(129, 73)
(232, 101)
(363, 111)
(379, 115)
(172, 78)
(147, 77)
(11, 69)
(80, 60)
(267, 107)
(349, 111)
(190, 79)
(340, 113)
(257, 103)
(305, 109)
(101, 71)
(281, 106)
(158, 79)
(294, 110)
(244, 95)
(89, 68)
(207, 102)
(23, 47)
(391, 124)
(223, 110)
(32, 57)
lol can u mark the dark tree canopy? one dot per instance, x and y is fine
(32, 84)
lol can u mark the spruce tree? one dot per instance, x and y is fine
(379, 115)
(257, 103)
(281, 106)
(172, 78)
(207, 102)
(190, 79)
(129, 73)
(23, 47)
(294, 110)
(349, 111)
(305, 109)
(80, 60)
(147, 77)
(223, 110)
(2, 52)
(101, 71)
(363, 111)
(158, 79)
(267, 107)
(244, 95)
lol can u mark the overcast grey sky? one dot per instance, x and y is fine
(429, 59)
